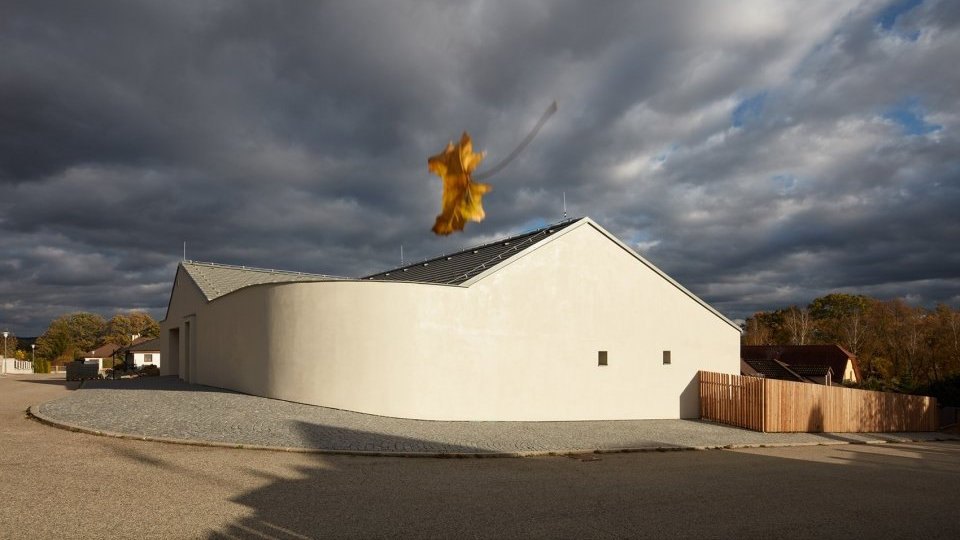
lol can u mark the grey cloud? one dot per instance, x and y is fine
(295, 135)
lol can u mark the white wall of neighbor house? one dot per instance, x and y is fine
(146, 358)
(522, 343)
(848, 373)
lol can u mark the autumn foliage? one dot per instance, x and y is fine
(895, 343)
(462, 197)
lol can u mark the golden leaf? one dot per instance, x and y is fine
(462, 197)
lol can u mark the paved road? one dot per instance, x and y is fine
(168, 408)
(60, 484)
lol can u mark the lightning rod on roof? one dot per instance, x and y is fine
(401, 254)
(184, 250)
(564, 205)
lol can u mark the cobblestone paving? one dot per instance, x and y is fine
(168, 408)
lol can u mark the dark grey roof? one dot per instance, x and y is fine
(459, 267)
(810, 370)
(216, 280)
(145, 345)
(834, 356)
(772, 368)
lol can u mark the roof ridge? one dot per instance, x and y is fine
(215, 280)
(524, 236)
(527, 238)
(253, 268)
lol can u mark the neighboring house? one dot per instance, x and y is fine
(822, 364)
(769, 368)
(143, 352)
(561, 323)
(102, 353)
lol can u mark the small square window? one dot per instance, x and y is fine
(602, 358)
(666, 358)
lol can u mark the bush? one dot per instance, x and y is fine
(894, 384)
(947, 391)
(41, 366)
(149, 371)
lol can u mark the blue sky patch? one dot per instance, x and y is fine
(785, 184)
(536, 223)
(909, 114)
(749, 110)
(888, 17)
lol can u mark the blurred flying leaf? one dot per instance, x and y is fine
(462, 197)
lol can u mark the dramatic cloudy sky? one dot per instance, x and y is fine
(762, 153)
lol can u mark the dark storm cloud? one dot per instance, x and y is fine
(762, 154)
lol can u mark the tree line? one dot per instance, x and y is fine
(898, 346)
(75, 335)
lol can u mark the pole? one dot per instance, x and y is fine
(5, 334)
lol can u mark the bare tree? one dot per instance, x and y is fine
(798, 323)
(757, 333)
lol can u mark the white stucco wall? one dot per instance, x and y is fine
(519, 344)
(139, 358)
(185, 301)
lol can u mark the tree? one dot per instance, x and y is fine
(942, 333)
(898, 339)
(898, 346)
(765, 328)
(797, 322)
(121, 328)
(841, 318)
(71, 336)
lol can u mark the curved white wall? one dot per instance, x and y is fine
(520, 344)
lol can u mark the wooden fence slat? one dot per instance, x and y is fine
(771, 405)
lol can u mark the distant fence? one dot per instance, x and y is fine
(771, 405)
(15, 367)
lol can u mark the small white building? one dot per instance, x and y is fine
(562, 323)
(143, 352)
(101, 353)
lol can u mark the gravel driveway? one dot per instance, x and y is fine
(166, 408)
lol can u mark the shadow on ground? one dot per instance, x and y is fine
(166, 383)
(901, 491)
(69, 385)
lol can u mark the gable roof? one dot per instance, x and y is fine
(144, 344)
(104, 351)
(772, 368)
(470, 265)
(811, 370)
(461, 268)
(810, 358)
(456, 268)
(215, 280)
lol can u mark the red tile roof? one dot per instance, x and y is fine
(104, 351)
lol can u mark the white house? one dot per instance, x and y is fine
(562, 323)
(143, 352)
(101, 353)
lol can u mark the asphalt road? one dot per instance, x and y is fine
(60, 484)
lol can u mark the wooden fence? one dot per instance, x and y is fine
(771, 405)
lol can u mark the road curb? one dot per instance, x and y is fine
(34, 413)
